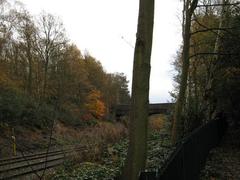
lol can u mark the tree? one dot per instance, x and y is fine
(51, 38)
(71, 77)
(40, 70)
(215, 58)
(137, 150)
(224, 82)
(178, 124)
(27, 35)
(96, 74)
(95, 105)
(210, 62)
(117, 86)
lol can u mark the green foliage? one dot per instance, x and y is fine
(18, 109)
(44, 115)
(86, 171)
(115, 155)
(11, 106)
(112, 161)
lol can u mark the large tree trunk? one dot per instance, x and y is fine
(178, 124)
(137, 150)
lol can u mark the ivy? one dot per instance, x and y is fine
(113, 158)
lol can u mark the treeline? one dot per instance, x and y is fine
(210, 87)
(44, 77)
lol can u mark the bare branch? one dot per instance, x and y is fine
(212, 54)
(213, 30)
(202, 25)
(219, 4)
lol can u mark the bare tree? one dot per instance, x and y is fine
(27, 39)
(51, 38)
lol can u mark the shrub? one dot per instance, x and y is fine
(16, 108)
(11, 106)
(156, 122)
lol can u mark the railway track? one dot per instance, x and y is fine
(29, 164)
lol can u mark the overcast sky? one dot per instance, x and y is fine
(107, 30)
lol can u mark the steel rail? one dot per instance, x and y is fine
(30, 164)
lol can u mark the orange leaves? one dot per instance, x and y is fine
(95, 105)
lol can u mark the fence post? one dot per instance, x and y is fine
(14, 143)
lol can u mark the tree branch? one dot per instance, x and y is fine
(213, 30)
(212, 54)
(202, 25)
(219, 4)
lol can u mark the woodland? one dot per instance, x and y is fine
(45, 79)
(44, 75)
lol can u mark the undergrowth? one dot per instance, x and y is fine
(112, 159)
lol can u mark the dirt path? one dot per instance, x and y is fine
(223, 162)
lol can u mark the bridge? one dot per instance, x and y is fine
(158, 108)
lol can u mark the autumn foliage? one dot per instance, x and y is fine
(95, 104)
(44, 77)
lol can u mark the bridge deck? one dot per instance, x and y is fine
(158, 108)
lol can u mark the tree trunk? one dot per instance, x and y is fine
(45, 78)
(213, 66)
(137, 150)
(30, 73)
(178, 124)
(44, 82)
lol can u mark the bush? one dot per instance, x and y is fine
(11, 106)
(17, 108)
(156, 122)
(45, 114)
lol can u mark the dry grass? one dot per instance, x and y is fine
(94, 139)
(103, 131)
(27, 140)
(156, 122)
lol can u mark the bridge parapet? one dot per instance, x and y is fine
(157, 108)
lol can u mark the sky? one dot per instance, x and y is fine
(107, 30)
